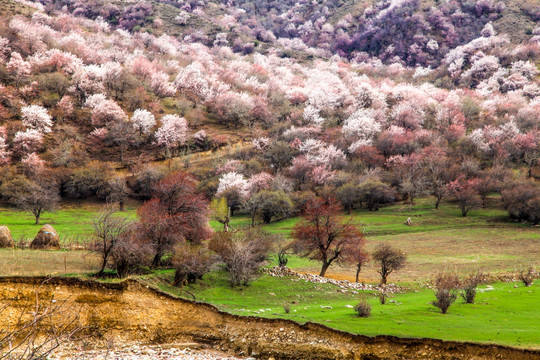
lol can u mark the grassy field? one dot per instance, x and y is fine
(438, 239)
(504, 313)
(19, 262)
(73, 222)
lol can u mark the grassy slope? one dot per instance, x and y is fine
(485, 239)
(11, 8)
(505, 315)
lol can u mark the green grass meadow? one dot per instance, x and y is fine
(73, 222)
(504, 313)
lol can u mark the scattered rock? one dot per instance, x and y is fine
(6, 240)
(325, 307)
(283, 271)
(408, 222)
(47, 238)
(144, 353)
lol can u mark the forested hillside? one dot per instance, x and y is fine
(272, 101)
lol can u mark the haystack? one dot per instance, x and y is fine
(5, 237)
(47, 238)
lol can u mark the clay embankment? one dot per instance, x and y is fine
(130, 311)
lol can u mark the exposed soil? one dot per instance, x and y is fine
(130, 312)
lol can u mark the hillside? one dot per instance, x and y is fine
(374, 101)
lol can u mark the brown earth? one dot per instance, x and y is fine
(132, 312)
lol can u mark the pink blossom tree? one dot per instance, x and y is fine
(104, 111)
(5, 154)
(161, 85)
(465, 193)
(32, 165)
(172, 133)
(259, 182)
(18, 67)
(28, 141)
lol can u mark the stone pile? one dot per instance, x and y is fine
(140, 352)
(281, 271)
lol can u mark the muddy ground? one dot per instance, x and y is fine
(130, 312)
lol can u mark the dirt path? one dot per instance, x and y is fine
(130, 312)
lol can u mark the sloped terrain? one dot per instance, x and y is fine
(132, 312)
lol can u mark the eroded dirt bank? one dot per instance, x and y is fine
(130, 311)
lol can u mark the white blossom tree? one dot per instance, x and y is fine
(143, 121)
(36, 117)
(173, 131)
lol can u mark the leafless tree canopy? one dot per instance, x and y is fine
(40, 327)
(446, 290)
(108, 228)
(243, 253)
(389, 260)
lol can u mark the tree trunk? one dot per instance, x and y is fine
(157, 259)
(106, 253)
(121, 205)
(102, 268)
(437, 203)
(267, 218)
(324, 268)
(37, 214)
(384, 275)
(358, 268)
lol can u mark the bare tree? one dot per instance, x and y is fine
(527, 276)
(108, 228)
(281, 256)
(191, 262)
(118, 192)
(30, 196)
(322, 235)
(389, 260)
(39, 329)
(356, 254)
(469, 285)
(446, 285)
(243, 253)
(130, 254)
